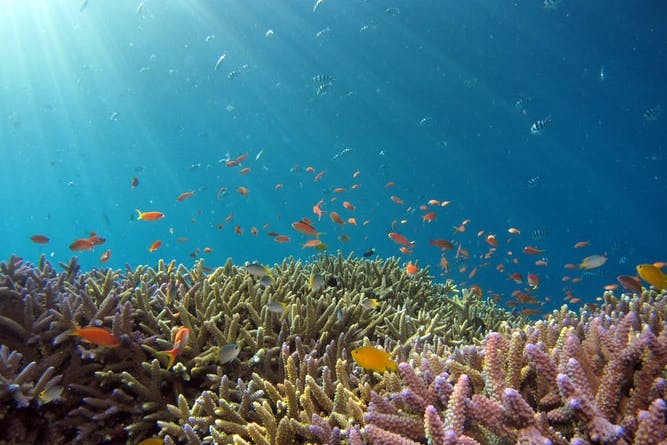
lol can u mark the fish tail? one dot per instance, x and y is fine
(75, 329)
(139, 213)
(393, 366)
(171, 353)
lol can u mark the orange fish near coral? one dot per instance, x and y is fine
(39, 239)
(398, 238)
(105, 256)
(374, 359)
(151, 215)
(155, 245)
(81, 244)
(96, 335)
(305, 226)
(180, 340)
(411, 269)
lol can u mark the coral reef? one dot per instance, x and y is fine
(292, 382)
(593, 378)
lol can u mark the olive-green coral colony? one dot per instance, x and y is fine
(264, 357)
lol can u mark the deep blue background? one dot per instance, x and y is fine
(462, 65)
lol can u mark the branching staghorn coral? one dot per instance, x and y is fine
(292, 368)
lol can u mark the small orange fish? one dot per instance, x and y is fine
(155, 246)
(312, 243)
(396, 199)
(356, 174)
(281, 238)
(411, 269)
(305, 226)
(277, 187)
(514, 231)
(244, 170)
(319, 176)
(442, 243)
(580, 244)
(105, 256)
(348, 205)
(135, 182)
(238, 230)
(400, 239)
(339, 190)
(318, 210)
(40, 239)
(82, 244)
(180, 341)
(150, 215)
(374, 359)
(390, 184)
(335, 217)
(96, 335)
(207, 250)
(492, 240)
(242, 190)
(352, 220)
(429, 217)
(185, 195)
(532, 250)
(533, 280)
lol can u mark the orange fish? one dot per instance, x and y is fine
(317, 210)
(428, 217)
(442, 243)
(400, 239)
(82, 244)
(348, 205)
(150, 215)
(135, 182)
(155, 246)
(335, 217)
(281, 238)
(514, 231)
(411, 269)
(105, 256)
(96, 239)
(180, 341)
(491, 239)
(396, 199)
(207, 250)
(185, 195)
(318, 176)
(390, 184)
(305, 226)
(243, 191)
(312, 243)
(277, 187)
(238, 230)
(254, 230)
(580, 244)
(630, 283)
(531, 250)
(352, 221)
(339, 190)
(533, 280)
(40, 239)
(244, 170)
(96, 335)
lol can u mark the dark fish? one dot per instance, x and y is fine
(332, 282)
(653, 113)
(369, 252)
(534, 181)
(538, 234)
(322, 78)
(540, 125)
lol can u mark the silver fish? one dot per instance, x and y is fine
(228, 353)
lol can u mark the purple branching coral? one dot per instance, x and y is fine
(599, 380)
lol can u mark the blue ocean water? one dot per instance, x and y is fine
(437, 97)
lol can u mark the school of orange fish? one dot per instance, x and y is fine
(460, 255)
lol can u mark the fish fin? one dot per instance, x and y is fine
(75, 329)
(139, 213)
(393, 366)
(171, 353)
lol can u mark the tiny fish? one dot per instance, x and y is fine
(593, 262)
(538, 126)
(257, 270)
(180, 340)
(51, 395)
(276, 307)
(96, 335)
(370, 303)
(228, 353)
(374, 359)
(369, 252)
(219, 62)
(150, 215)
(39, 239)
(316, 281)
